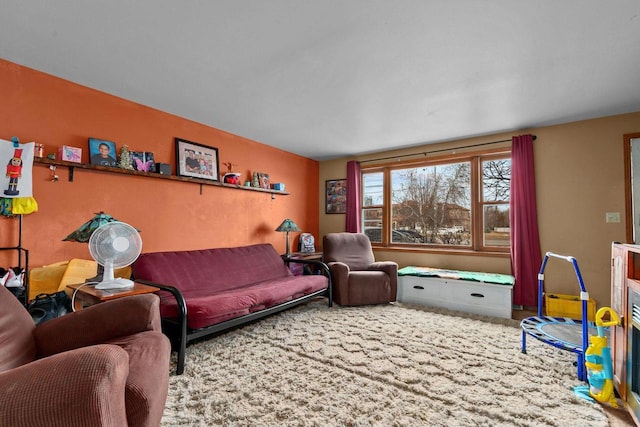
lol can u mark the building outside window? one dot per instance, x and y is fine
(459, 203)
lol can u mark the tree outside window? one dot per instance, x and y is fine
(433, 202)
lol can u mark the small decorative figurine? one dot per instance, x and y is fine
(14, 172)
(125, 158)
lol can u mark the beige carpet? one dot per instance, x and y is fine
(391, 365)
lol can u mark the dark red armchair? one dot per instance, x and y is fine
(356, 277)
(106, 365)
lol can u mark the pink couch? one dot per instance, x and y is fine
(212, 290)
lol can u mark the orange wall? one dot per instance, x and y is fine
(171, 215)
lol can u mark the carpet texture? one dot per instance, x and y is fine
(388, 365)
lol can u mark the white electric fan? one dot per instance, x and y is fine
(115, 245)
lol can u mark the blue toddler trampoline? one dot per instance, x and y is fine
(563, 333)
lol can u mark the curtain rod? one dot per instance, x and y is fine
(424, 153)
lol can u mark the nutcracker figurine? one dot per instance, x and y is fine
(14, 171)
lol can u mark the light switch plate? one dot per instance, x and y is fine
(612, 217)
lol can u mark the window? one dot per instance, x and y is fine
(456, 203)
(496, 188)
(372, 204)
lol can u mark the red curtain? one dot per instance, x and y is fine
(525, 241)
(352, 219)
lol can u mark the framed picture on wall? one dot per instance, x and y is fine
(197, 160)
(336, 196)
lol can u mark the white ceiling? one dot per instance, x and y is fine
(333, 78)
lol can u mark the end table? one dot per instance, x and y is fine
(298, 269)
(88, 295)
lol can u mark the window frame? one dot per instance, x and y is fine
(482, 203)
(477, 201)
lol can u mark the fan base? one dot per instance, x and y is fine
(118, 283)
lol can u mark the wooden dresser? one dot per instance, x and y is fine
(625, 339)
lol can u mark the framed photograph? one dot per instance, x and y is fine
(336, 196)
(197, 160)
(264, 180)
(143, 161)
(102, 153)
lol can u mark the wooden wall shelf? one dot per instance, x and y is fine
(84, 166)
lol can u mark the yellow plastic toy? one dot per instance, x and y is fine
(598, 362)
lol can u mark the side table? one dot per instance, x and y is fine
(298, 269)
(87, 295)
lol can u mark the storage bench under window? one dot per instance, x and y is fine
(489, 294)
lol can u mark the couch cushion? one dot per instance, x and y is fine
(45, 279)
(216, 270)
(56, 277)
(206, 309)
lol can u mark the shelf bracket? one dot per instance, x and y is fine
(71, 169)
(201, 189)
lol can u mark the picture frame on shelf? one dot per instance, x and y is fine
(336, 196)
(264, 180)
(102, 152)
(143, 161)
(196, 160)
